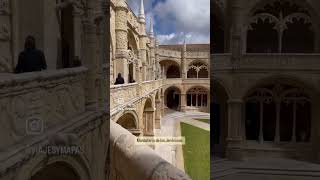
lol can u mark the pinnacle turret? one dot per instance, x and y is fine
(151, 33)
(142, 17)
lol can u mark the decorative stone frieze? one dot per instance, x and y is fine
(34, 102)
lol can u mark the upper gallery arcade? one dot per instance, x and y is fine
(157, 78)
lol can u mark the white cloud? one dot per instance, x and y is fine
(178, 20)
(190, 19)
(179, 38)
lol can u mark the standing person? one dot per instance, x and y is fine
(31, 59)
(119, 79)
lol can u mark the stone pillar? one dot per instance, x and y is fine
(183, 102)
(183, 62)
(236, 27)
(149, 123)
(277, 133)
(157, 64)
(121, 61)
(234, 139)
(50, 33)
(162, 104)
(143, 48)
(153, 61)
(77, 34)
(144, 66)
(91, 62)
(317, 39)
(158, 114)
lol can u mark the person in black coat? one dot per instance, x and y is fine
(31, 59)
(119, 79)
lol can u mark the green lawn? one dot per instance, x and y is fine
(203, 120)
(196, 152)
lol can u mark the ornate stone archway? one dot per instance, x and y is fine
(219, 111)
(170, 69)
(197, 98)
(278, 112)
(173, 98)
(197, 69)
(56, 167)
(58, 170)
(129, 121)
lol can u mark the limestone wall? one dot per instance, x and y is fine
(130, 161)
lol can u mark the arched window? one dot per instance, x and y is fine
(280, 27)
(197, 70)
(197, 97)
(279, 113)
(57, 170)
(173, 71)
(133, 57)
(127, 121)
(172, 99)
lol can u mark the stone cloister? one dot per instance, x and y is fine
(165, 76)
(67, 104)
(265, 81)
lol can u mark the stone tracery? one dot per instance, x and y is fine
(197, 70)
(278, 22)
(275, 107)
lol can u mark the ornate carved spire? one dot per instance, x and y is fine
(151, 33)
(184, 45)
(142, 17)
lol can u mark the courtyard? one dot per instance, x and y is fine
(193, 156)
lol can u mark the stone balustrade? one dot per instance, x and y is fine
(173, 81)
(149, 86)
(169, 53)
(197, 81)
(198, 54)
(132, 161)
(120, 94)
(193, 81)
(127, 94)
(31, 103)
(306, 62)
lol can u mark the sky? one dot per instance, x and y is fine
(177, 20)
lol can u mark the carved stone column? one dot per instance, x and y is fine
(158, 114)
(162, 104)
(121, 60)
(183, 101)
(236, 22)
(143, 49)
(183, 62)
(77, 34)
(148, 118)
(234, 139)
(90, 61)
